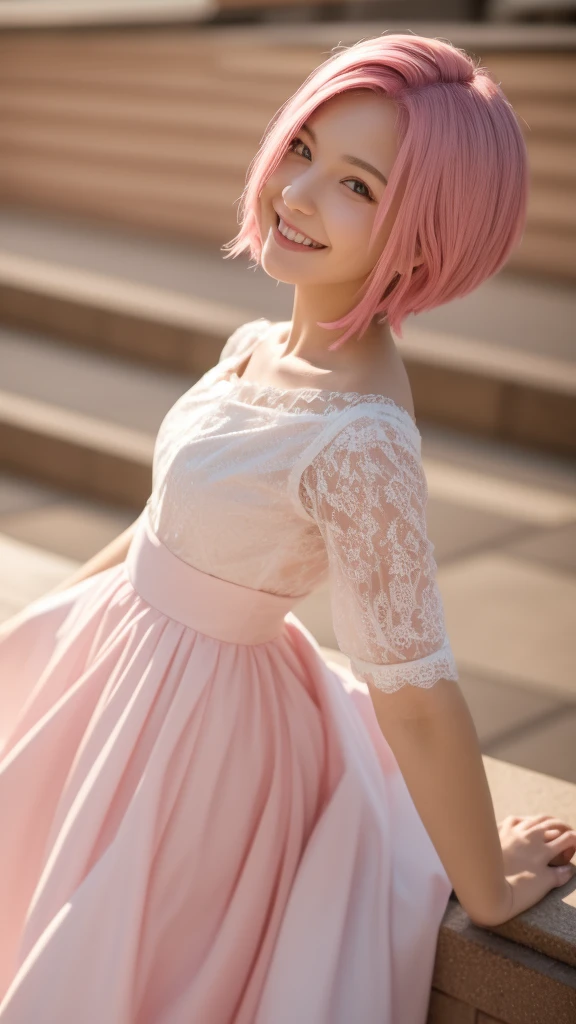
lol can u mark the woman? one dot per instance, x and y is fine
(202, 819)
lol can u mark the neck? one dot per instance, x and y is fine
(303, 339)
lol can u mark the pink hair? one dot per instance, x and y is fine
(462, 160)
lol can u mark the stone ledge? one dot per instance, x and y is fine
(550, 926)
(510, 982)
(521, 972)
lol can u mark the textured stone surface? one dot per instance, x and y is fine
(445, 1009)
(549, 926)
(507, 981)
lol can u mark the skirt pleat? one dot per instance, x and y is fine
(200, 829)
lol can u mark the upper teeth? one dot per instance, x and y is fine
(295, 236)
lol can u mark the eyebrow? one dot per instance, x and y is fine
(352, 159)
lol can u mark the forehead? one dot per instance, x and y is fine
(360, 122)
(363, 108)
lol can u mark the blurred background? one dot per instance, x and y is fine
(126, 129)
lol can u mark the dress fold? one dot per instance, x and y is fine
(201, 820)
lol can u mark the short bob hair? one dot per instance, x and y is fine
(461, 161)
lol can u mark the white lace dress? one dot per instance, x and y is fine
(205, 823)
(291, 487)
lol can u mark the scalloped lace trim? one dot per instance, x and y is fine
(424, 672)
(299, 400)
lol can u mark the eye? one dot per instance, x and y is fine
(367, 194)
(297, 142)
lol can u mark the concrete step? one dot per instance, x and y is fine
(500, 363)
(149, 324)
(77, 380)
(206, 151)
(167, 189)
(80, 419)
(73, 109)
(163, 83)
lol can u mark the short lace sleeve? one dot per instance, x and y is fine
(367, 492)
(242, 338)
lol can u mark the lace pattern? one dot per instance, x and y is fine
(280, 490)
(303, 400)
(367, 492)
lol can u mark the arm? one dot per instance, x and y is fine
(367, 493)
(433, 739)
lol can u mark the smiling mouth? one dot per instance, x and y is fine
(316, 246)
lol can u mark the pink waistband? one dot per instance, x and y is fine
(220, 609)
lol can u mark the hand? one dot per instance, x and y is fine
(537, 853)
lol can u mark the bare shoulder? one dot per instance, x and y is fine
(383, 374)
(388, 378)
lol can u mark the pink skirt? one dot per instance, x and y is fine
(200, 818)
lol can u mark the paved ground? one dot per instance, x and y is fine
(503, 522)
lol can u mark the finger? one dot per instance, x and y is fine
(562, 826)
(551, 833)
(561, 858)
(562, 875)
(566, 841)
(548, 821)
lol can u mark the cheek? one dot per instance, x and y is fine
(276, 182)
(350, 230)
(350, 216)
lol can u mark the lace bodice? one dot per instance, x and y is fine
(282, 489)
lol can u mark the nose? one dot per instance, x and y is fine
(297, 197)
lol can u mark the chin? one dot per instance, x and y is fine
(273, 269)
(273, 265)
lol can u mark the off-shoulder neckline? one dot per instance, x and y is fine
(232, 377)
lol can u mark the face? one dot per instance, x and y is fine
(318, 190)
